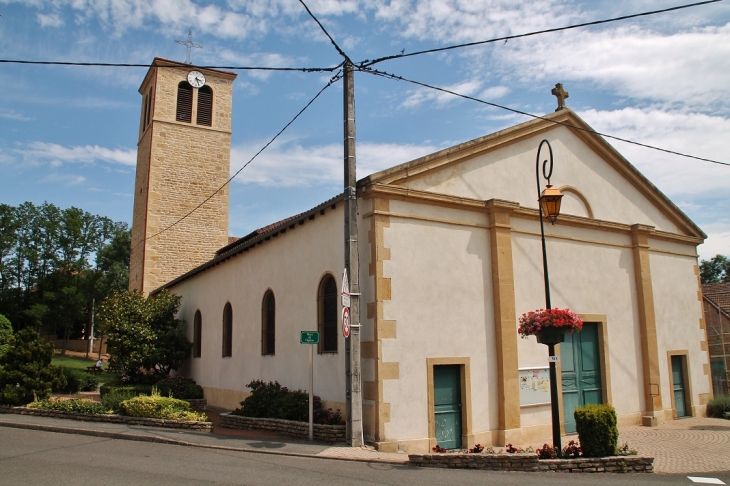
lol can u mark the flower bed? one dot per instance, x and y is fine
(110, 418)
(530, 462)
(329, 433)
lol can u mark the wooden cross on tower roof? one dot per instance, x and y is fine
(561, 94)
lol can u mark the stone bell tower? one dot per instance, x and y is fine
(183, 157)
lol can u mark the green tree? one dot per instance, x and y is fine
(143, 335)
(715, 270)
(6, 334)
(26, 371)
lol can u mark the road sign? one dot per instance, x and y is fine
(345, 300)
(309, 337)
(345, 284)
(346, 321)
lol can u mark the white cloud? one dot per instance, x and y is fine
(14, 115)
(56, 155)
(295, 165)
(690, 133)
(424, 95)
(494, 93)
(49, 20)
(688, 68)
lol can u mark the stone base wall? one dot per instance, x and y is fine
(530, 462)
(116, 419)
(197, 404)
(329, 433)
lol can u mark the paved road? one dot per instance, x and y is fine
(30, 457)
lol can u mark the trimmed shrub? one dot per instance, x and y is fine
(719, 407)
(597, 430)
(271, 400)
(159, 407)
(180, 387)
(73, 383)
(115, 385)
(89, 383)
(78, 405)
(113, 400)
(26, 371)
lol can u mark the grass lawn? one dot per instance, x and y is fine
(81, 364)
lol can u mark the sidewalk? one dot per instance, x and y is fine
(687, 446)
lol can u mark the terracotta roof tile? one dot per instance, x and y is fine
(719, 293)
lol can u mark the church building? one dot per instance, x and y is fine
(449, 258)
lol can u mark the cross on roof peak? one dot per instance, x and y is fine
(561, 94)
(189, 44)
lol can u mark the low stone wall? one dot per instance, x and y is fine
(197, 404)
(530, 462)
(329, 433)
(117, 419)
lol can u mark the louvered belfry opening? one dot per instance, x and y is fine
(184, 102)
(205, 106)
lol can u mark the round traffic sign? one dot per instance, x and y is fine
(346, 321)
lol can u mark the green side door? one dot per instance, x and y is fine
(680, 403)
(447, 405)
(581, 372)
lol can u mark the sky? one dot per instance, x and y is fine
(68, 134)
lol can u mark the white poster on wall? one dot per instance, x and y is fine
(534, 386)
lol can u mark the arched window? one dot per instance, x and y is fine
(327, 314)
(205, 106)
(184, 111)
(197, 325)
(227, 330)
(268, 324)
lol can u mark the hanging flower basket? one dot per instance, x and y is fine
(549, 325)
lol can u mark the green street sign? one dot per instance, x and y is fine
(309, 337)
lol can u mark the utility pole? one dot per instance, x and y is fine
(353, 379)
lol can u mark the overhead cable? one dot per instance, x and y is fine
(339, 50)
(513, 110)
(231, 68)
(368, 62)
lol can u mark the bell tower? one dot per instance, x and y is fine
(183, 157)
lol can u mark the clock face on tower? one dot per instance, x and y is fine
(196, 79)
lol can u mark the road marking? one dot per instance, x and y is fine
(695, 479)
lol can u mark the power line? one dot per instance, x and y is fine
(332, 80)
(367, 62)
(443, 90)
(114, 64)
(341, 52)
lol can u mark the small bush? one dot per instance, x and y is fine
(597, 430)
(477, 449)
(719, 406)
(78, 405)
(89, 383)
(546, 452)
(113, 400)
(437, 448)
(70, 383)
(116, 385)
(571, 450)
(26, 371)
(159, 407)
(180, 387)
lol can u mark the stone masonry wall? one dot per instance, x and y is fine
(179, 165)
(330, 433)
(117, 419)
(530, 462)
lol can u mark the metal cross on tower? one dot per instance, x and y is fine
(189, 44)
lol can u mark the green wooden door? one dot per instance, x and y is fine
(447, 405)
(678, 380)
(581, 372)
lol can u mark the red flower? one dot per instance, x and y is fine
(534, 321)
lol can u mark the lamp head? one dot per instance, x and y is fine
(550, 203)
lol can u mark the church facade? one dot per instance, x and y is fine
(450, 257)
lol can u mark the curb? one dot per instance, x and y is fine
(163, 440)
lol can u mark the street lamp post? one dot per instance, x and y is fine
(549, 207)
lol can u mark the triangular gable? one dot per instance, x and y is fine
(502, 166)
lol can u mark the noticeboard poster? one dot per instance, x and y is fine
(534, 386)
